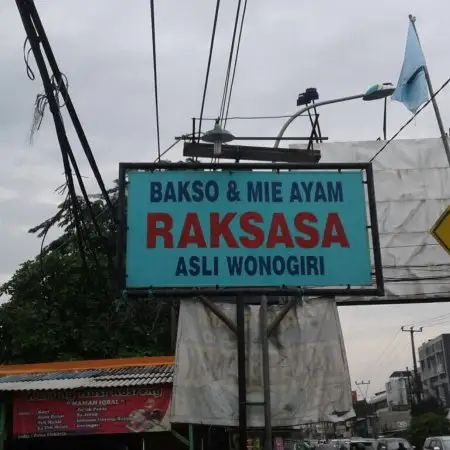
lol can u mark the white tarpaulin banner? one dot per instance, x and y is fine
(309, 377)
(412, 180)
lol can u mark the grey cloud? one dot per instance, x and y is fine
(104, 47)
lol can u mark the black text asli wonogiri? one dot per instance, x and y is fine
(219, 234)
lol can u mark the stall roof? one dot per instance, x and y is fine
(123, 372)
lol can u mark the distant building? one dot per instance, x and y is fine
(434, 357)
(393, 421)
(394, 418)
(378, 402)
(398, 390)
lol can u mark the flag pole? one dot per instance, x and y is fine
(433, 98)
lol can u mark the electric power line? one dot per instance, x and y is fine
(393, 355)
(235, 62)
(167, 150)
(410, 120)
(208, 67)
(387, 347)
(230, 61)
(387, 351)
(155, 78)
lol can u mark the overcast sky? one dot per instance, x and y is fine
(104, 48)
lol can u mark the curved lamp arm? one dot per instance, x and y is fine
(311, 106)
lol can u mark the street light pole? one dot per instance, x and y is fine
(375, 92)
(311, 106)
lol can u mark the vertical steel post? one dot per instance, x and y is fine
(242, 375)
(193, 130)
(265, 373)
(191, 437)
(173, 327)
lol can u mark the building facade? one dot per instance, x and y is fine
(398, 390)
(434, 357)
(394, 417)
(378, 402)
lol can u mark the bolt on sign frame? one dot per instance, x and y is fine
(360, 189)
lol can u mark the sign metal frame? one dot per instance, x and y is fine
(376, 289)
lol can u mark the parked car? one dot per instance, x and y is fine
(361, 444)
(437, 443)
(354, 443)
(392, 444)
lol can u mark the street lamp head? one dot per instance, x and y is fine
(310, 95)
(217, 136)
(377, 91)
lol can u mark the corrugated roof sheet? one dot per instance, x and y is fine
(93, 378)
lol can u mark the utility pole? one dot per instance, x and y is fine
(417, 385)
(364, 395)
(409, 392)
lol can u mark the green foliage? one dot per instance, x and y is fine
(361, 408)
(430, 404)
(425, 425)
(61, 310)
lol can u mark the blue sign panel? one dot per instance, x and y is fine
(246, 229)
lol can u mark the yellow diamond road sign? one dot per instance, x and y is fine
(441, 230)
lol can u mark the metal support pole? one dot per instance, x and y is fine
(191, 437)
(242, 375)
(193, 130)
(416, 380)
(173, 327)
(281, 315)
(209, 304)
(412, 19)
(265, 374)
(312, 106)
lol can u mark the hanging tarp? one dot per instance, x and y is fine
(309, 375)
(412, 180)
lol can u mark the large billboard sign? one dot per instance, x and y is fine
(235, 229)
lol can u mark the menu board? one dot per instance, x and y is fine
(62, 413)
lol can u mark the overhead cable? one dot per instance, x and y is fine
(410, 120)
(208, 67)
(235, 62)
(383, 353)
(155, 77)
(167, 150)
(230, 62)
(59, 125)
(29, 8)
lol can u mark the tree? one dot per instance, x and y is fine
(61, 308)
(428, 424)
(428, 405)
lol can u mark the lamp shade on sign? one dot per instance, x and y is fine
(217, 136)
